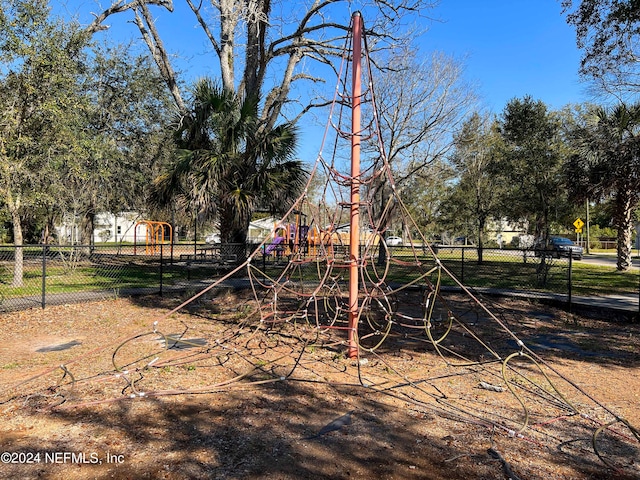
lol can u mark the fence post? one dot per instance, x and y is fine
(462, 264)
(569, 280)
(44, 276)
(161, 269)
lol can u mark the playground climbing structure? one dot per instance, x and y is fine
(344, 292)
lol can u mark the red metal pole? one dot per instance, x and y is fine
(354, 229)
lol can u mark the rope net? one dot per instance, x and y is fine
(443, 350)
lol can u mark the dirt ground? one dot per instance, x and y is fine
(99, 390)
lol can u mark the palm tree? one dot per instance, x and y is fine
(607, 165)
(227, 164)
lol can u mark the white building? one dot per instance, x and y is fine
(260, 229)
(108, 227)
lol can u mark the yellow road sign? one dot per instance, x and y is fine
(578, 230)
(578, 224)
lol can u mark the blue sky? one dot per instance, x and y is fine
(511, 48)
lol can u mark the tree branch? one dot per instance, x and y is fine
(121, 6)
(159, 53)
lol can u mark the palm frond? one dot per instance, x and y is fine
(226, 163)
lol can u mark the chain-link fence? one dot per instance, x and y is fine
(40, 275)
(498, 269)
(534, 272)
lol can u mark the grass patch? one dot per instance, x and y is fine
(602, 280)
(507, 270)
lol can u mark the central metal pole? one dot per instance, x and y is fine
(354, 229)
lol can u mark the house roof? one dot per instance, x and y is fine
(264, 223)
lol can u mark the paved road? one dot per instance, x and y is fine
(607, 259)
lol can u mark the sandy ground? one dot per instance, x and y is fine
(99, 390)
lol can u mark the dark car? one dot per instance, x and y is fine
(559, 247)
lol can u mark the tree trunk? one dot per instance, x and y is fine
(481, 224)
(382, 247)
(255, 48)
(86, 232)
(624, 209)
(233, 234)
(228, 25)
(18, 264)
(383, 216)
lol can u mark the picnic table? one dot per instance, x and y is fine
(212, 253)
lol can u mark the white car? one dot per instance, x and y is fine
(393, 241)
(213, 238)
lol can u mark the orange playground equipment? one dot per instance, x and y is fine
(155, 234)
(306, 240)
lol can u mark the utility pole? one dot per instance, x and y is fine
(587, 245)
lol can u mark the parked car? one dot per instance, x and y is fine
(559, 247)
(213, 238)
(393, 241)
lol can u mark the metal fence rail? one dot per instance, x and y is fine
(508, 269)
(533, 273)
(54, 274)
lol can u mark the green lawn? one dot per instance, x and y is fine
(506, 271)
(502, 271)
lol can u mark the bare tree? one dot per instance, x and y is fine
(263, 47)
(421, 103)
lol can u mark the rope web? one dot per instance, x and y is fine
(434, 350)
